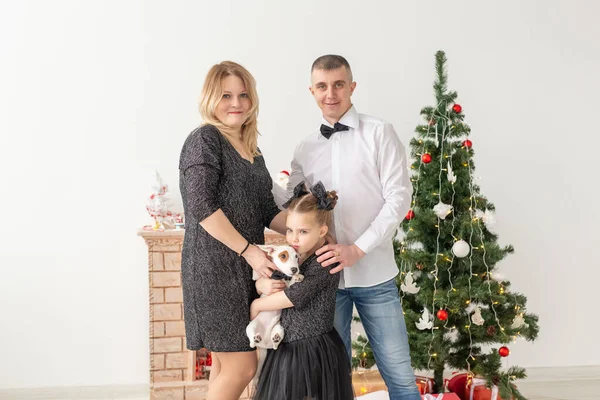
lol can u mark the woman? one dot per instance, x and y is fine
(226, 191)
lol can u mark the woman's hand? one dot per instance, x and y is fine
(269, 286)
(259, 262)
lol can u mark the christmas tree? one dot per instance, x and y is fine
(457, 308)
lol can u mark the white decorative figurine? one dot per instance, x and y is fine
(425, 321)
(477, 318)
(409, 286)
(157, 203)
(282, 178)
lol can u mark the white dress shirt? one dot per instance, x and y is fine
(366, 166)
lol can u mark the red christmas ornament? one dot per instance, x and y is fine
(409, 215)
(467, 143)
(504, 351)
(457, 108)
(442, 315)
(426, 158)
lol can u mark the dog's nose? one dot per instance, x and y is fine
(294, 270)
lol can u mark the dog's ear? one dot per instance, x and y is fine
(267, 249)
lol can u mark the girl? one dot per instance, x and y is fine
(311, 362)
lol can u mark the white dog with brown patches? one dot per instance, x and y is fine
(265, 331)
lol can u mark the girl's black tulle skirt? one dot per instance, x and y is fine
(316, 368)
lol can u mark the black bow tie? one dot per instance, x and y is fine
(280, 276)
(328, 131)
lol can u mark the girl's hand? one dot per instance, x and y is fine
(269, 286)
(259, 262)
(254, 309)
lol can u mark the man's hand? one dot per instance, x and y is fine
(339, 253)
(269, 286)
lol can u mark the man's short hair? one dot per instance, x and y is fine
(329, 62)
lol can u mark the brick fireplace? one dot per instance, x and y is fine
(173, 368)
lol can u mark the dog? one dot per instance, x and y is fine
(265, 331)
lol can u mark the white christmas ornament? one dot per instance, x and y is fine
(472, 306)
(519, 322)
(282, 178)
(425, 321)
(451, 335)
(461, 249)
(409, 285)
(498, 277)
(416, 246)
(477, 318)
(451, 176)
(442, 210)
(489, 219)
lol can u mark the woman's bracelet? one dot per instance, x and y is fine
(245, 248)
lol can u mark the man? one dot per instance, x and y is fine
(362, 159)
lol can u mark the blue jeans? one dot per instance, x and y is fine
(381, 315)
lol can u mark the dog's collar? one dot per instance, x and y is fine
(280, 276)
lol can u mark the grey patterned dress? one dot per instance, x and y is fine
(217, 283)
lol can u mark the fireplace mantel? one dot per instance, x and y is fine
(172, 366)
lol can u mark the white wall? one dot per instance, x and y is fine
(95, 95)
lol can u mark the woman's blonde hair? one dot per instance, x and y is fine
(212, 92)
